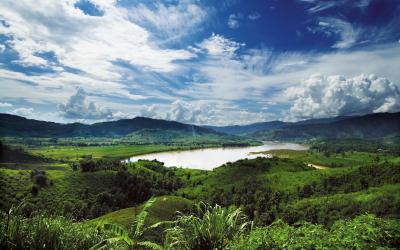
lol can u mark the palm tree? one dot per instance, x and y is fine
(212, 228)
(132, 239)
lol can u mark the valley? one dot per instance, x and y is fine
(310, 194)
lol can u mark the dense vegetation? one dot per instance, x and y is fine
(76, 193)
(206, 228)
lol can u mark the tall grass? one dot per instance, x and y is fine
(210, 228)
(43, 232)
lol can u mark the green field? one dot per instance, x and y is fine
(68, 188)
(71, 153)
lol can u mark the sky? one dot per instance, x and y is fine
(203, 62)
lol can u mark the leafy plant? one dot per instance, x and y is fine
(210, 228)
(133, 238)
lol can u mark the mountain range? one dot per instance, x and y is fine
(12, 125)
(376, 125)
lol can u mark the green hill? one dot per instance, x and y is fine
(9, 154)
(263, 187)
(163, 209)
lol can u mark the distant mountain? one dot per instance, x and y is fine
(368, 126)
(322, 120)
(270, 126)
(12, 125)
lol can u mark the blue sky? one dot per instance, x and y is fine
(199, 61)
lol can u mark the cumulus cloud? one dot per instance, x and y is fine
(326, 96)
(5, 105)
(78, 108)
(203, 113)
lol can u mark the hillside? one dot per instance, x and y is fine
(282, 190)
(164, 208)
(8, 154)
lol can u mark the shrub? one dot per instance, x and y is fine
(211, 228)
(39, 177)
(41, 180)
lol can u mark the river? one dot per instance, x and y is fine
(210, 158)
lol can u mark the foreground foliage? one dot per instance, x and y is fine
(43, 232)
(208, 228)
(363, 232)
(132, 239)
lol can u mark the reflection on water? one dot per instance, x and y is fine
(210, 158)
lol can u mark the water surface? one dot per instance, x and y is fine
(210, 158)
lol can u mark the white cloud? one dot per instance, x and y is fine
(172, 21)
(5, 105)
(78, 108)
(26, 112)
(224, 71)
(327, 96)
(217, 45)
(233, 20)
(319, 6)
(2, 48)
(88, 43)
(334, 27)
(260, 75)
(254, 16)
